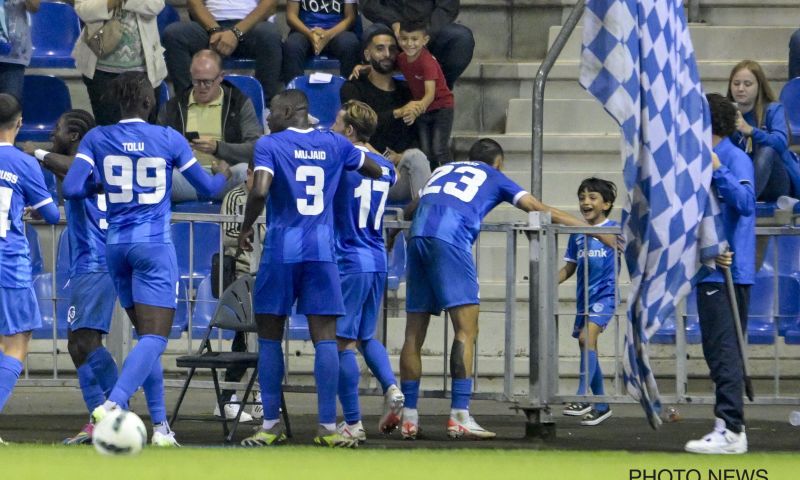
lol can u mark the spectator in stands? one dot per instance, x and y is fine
(451, 43)
(218, 120)
(794, 55)
(761, 131)
(320, 27)
(139, 49)
(237, 28)
(432, 105)
(393, 138)
(15, 44)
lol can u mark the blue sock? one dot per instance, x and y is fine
(92, 393)
(348, 386)
(596, 376)
(378, 362)
(582, 375)
(326, 375)
(462, 392)
(270, 376)
(104, 368)
(137, 367)
(410, 389)
(10, 368)
(153, 387)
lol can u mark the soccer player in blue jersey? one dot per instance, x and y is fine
(596, 199)
(300, 168)
(442, 275)
(361, 254)
(21, 184)
(133, 161)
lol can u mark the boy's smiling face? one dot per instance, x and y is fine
(412, 43)
(593, 207)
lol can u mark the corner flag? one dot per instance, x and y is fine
(638, 61)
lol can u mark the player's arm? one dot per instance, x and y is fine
(256, 199)
(75, 183)
(566, 271)
(55, 162)
(529, 203)
(206, 185)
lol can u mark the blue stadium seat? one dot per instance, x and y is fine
(321, 62)
(788, 254)
(54, 30)
(765, 209)
(199, 206)
(238, 63)
(167, 16)
(252, 88)
(790, 98)
(163, 93)
(323, 98)
(204, 306)
(397, 263)
(760, 325)
(46, 98)
(297, 327)
(666, 334)
(206, 243)
(788, 303)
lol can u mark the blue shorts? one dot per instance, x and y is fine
(19, 310)
(600, 313)
(440, 276)
(91, 302)
(145, 273)
(315, 285)
(362, 293)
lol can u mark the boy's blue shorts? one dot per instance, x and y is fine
(600, 313)
(440, 276)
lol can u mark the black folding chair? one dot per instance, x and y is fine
(234, 312)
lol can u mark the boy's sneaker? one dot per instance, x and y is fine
(164, 440)
(266, 438)
(462, 425)
(257, 412)
(393, 402)
(409, 424)
(595, 417)
(332, 438)
(84, 437)
(577, 409)
(355, 431)
(719, 441)
(231, 409)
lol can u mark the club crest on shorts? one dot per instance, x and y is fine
(597, 307)
(71, 314)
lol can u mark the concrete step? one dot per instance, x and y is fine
(561, 116)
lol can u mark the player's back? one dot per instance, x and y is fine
(134, 161)
(457, 197)
(358, 205)
(306, 166)
(86, 227)
(21, 183)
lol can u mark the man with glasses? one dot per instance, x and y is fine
(218, 120)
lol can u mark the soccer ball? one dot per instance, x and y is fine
(119, 433)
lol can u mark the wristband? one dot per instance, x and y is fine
(40, 154)
(239, 34)
(213, 30)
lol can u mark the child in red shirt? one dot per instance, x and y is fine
(432, 107)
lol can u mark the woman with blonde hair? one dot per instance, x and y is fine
(762, 132)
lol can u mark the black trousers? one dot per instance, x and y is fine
(720, 347)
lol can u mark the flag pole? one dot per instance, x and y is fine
(748, 384)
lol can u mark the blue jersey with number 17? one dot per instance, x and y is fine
(134, 160)
(306, 166)
(86, 227)
(359, 204)
(457, 197)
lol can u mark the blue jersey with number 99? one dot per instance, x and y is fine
(457, 197)
(306, 166)
(134, 161)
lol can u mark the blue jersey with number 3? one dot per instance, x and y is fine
(457, 197)
(306, 166)
(359, 204)
(21, 183)
(134, 161)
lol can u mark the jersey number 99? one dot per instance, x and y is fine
(119, 172)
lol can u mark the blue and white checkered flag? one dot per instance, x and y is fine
(638, 60)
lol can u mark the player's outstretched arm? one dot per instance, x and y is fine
(370, 168)
(75, 184)
(57, 163)
(529, 203)
(262, 179)
(49, 212)
(205, 184)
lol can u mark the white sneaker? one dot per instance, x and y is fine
(719, 441)
(257, 412)
(231, 409)
(355, 431)
(164, 440)
(393, 403)
(409, 425)
(462, 425)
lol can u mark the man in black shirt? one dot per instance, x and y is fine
(393, 138)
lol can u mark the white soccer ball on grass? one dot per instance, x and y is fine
(120, 433)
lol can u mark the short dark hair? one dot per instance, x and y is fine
(605, 188)
(292, 97)
(78, 121)
(361, 117)
(485, 150)
(130, 89)
(375, 30)
(723, 115)
(10, 110)
(414, 25)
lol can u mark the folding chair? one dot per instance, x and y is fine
(234, 312)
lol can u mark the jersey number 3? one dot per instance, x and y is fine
(151, 172)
